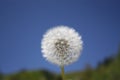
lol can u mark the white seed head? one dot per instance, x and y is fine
(61, 45)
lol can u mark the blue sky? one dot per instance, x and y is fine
(23, 23)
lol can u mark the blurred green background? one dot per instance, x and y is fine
(108, 69)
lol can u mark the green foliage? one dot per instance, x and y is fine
(1, 76)
(109, 69)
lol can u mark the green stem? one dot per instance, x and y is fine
(62, 73)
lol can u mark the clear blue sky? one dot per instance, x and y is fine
(23, 22)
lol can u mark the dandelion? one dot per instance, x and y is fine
(61, 45)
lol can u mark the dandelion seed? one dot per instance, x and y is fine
(61, 45)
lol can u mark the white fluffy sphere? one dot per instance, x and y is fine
(61, 45)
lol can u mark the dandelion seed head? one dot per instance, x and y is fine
(61, 45)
